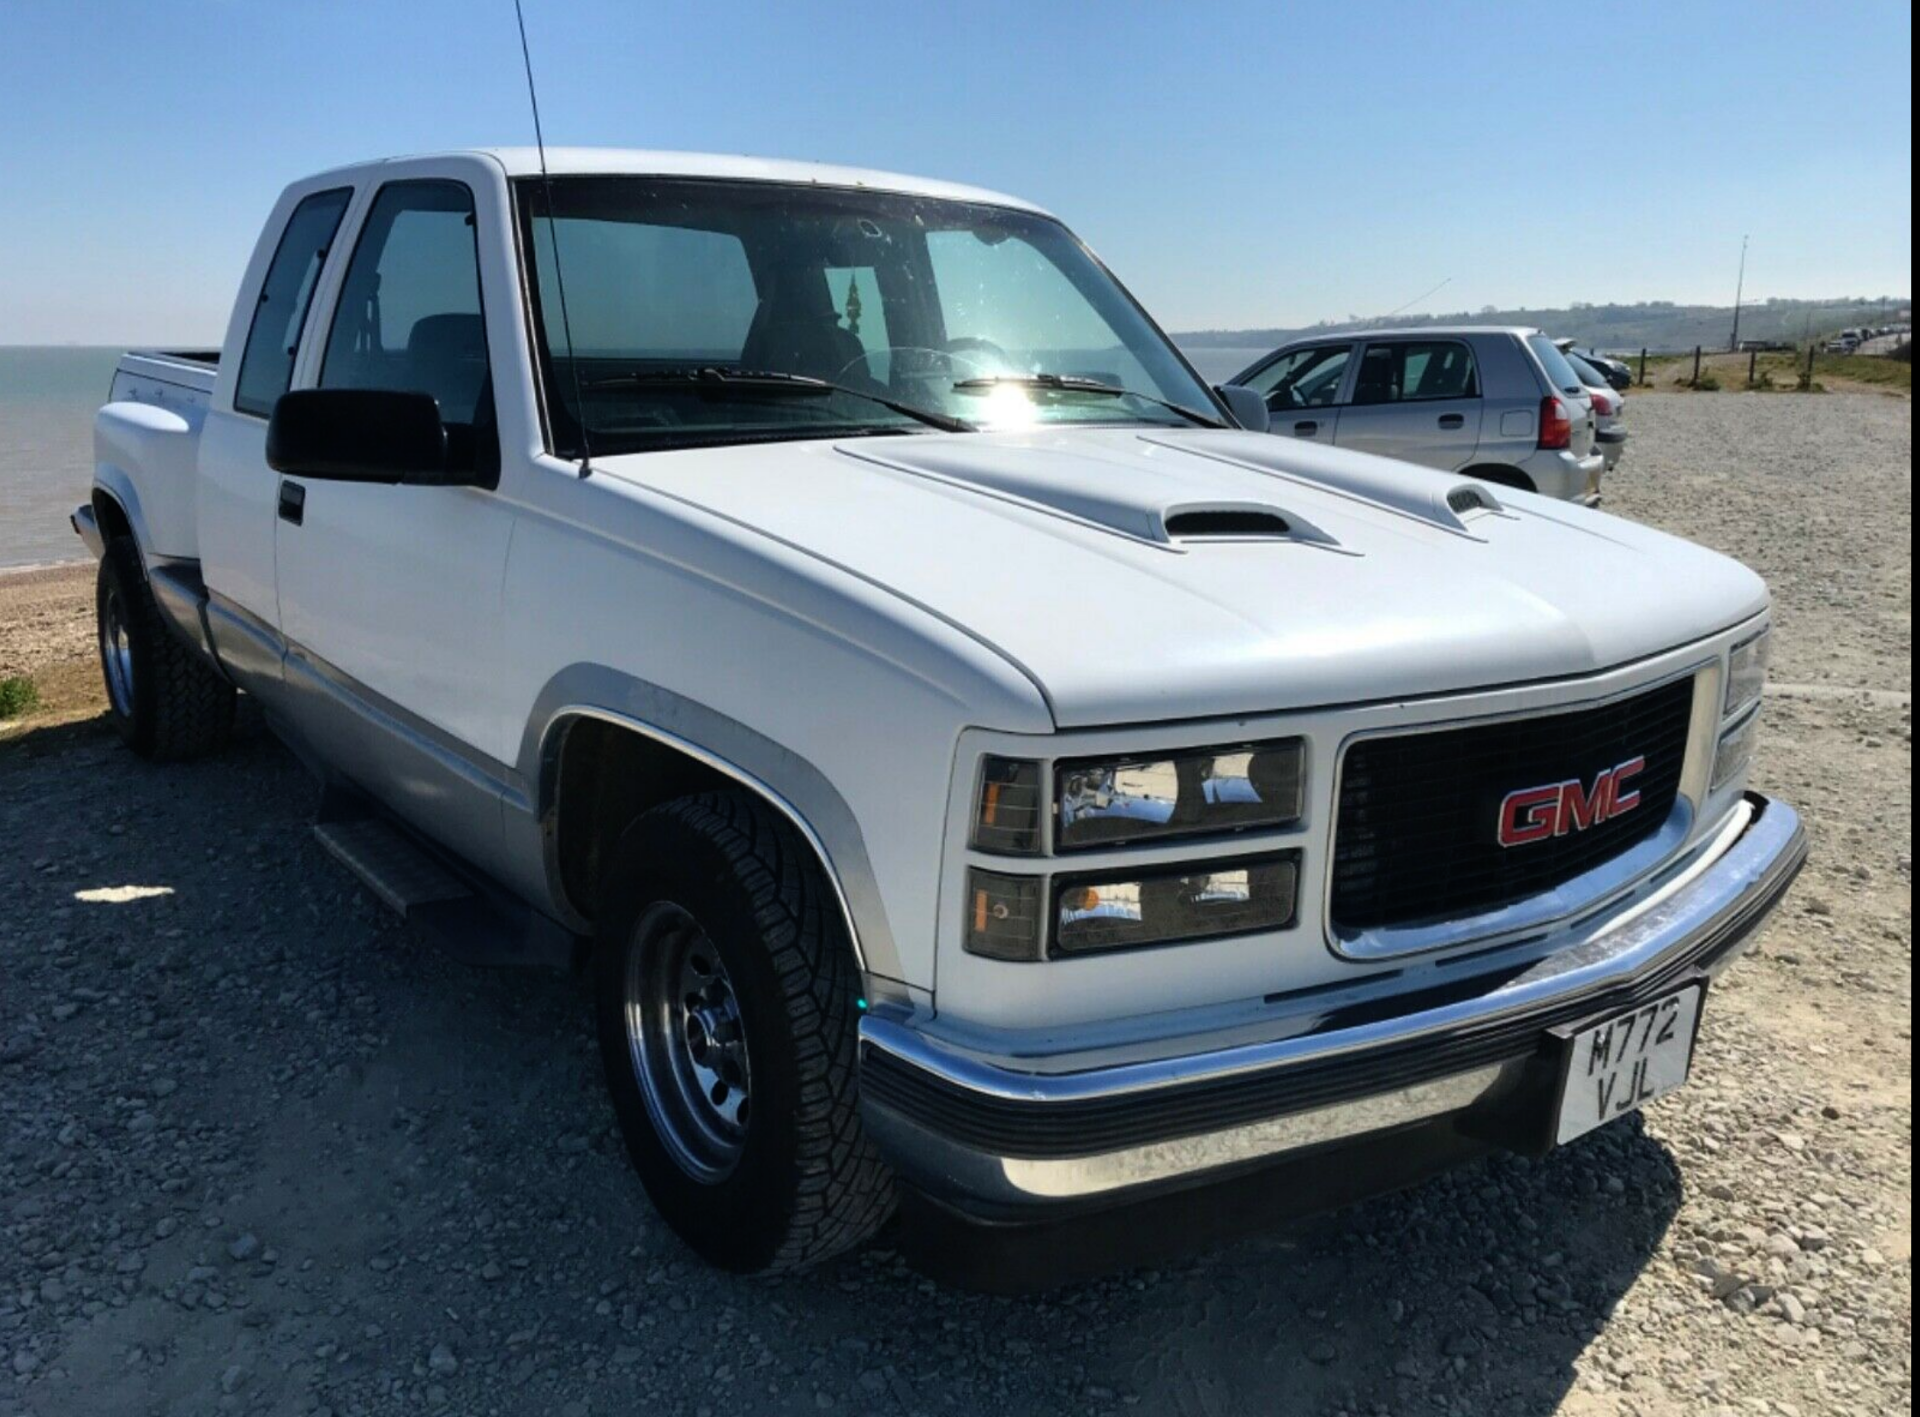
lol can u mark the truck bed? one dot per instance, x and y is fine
(165, 377)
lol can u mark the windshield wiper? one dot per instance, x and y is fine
(712, 382)
(1070, 384)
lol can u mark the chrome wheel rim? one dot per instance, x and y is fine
(687, 1043)
(116, 653)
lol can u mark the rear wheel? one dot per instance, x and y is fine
(726, 1001)
(165, 701)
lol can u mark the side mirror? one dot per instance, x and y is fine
(1248, 408)
(360, 435)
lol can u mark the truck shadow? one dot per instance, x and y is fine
(428, 1147)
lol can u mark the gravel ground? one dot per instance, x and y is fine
(261, 1150)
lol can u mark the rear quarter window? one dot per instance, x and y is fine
(266, 366)
(1559, 373)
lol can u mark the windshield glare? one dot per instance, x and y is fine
(918, 300)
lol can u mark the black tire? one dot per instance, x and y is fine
(167, 702)
(804, 1182)
(1502, 477)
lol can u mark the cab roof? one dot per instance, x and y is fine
(572, 162)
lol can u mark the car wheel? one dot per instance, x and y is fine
(1502, 477)
(166, 702)
(727, 1006)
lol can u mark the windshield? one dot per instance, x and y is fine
(921, 313)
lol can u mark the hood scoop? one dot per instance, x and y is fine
(1470, 498)
(1124, 494)
(1223, 523)
(1380, 482)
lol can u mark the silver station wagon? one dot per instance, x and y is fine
(1500, 404)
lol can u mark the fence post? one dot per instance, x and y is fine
(1753, 367)
(1806, 381)
(1643, 364)
(1696, 367)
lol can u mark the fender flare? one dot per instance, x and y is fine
(788, 783)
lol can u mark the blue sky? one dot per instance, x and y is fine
(1237, 164)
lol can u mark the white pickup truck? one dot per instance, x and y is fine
(974, 764)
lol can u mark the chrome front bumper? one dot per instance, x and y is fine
(1017, 1137)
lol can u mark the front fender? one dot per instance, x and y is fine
(786, 781)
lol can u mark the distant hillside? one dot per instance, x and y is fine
(1652, 324)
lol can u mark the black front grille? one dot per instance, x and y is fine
(1418, 836)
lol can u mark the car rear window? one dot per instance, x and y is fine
(1559, 373)
(1589, 373)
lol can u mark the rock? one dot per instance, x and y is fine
(24, 1362)
(442, 1362)
(244, 1248)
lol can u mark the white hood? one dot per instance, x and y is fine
(1066, 551)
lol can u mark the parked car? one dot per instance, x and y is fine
(1498, 404)
(1618, 374)
(964, 765)
(1609, 410)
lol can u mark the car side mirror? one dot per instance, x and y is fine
(1249, 409)
(361, 435)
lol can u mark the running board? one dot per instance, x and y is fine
(462, 921)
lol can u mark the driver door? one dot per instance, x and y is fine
(1305, 390)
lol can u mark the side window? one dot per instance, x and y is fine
(409, 314)
(266, 365)
(1416, 371)
(1306, 378)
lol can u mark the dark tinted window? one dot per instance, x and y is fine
(1559, 373)
(1416, 370)
(1589, 374)
(409, 315)
(266, 367)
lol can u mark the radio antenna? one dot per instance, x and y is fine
(553, 236)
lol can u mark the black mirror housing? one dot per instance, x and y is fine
(1249, 409)
(360, 435)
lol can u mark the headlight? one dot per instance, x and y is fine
(1162, 905)
(1736, 750)
(1747, 673)
(1188, 902)
(1107, 801)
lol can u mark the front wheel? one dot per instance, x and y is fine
(727, 1006)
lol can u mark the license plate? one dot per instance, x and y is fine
(1628, 1061)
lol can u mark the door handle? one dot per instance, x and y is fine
(1306, 428)
(293, 503)
(1453, 420)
